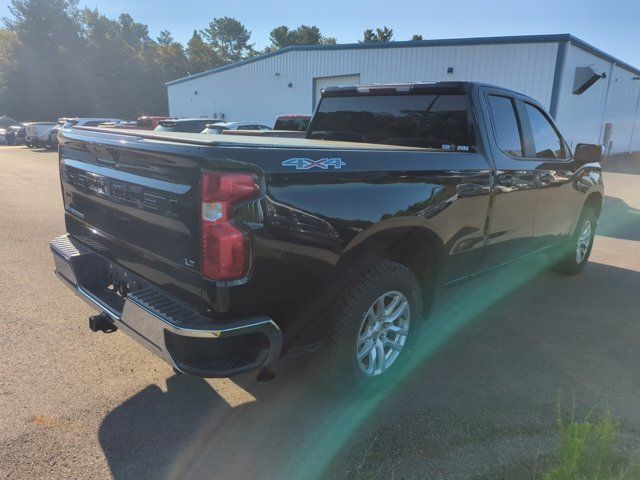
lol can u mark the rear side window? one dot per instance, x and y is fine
(438, 121)
(505, 123)
(548, 142)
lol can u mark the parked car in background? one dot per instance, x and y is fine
(294, 122)
(149, 122)
(88, 122)
(53, 134)
(68, 122)
(37, 133)
(217, 128)
(6, 122)
(142, 123)
(15, 135)
(185, 125)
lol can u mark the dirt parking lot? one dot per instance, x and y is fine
(482, 404)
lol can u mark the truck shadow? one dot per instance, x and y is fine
(481, 395)
(619, 220)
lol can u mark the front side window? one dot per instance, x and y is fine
(438, 121)
(505, 124)
(548, 142)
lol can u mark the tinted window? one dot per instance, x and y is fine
(506, 125)
(296, 124)
(547, 140)
(190, 127)
(94, 123)
(425, 121)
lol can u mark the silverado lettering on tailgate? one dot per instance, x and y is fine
(121, 192)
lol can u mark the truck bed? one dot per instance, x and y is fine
(239, 140)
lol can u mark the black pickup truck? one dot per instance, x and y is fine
(221, 255)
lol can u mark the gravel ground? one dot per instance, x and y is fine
(74, 404)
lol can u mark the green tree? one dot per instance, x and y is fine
(172, 57)
(200, 55)
(229, 38)
(416, 38)
(282, 37)
(133, 33)
(44, 78)
(307, 35)
(8, 45)
(379, 35)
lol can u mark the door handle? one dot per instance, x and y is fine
(546, 178)
(470, 190)
(506, 180)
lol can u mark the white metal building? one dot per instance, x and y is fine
(593, 96)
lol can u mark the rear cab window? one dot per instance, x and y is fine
(506, 125)
(434, 121)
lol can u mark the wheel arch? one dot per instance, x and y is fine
(594, 200)
(416, 247)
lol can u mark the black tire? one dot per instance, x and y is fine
(568, 262)
(338, 357)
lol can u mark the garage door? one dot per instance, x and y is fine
(323, 82)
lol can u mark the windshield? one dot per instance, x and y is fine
(69, 123)
(427, 121)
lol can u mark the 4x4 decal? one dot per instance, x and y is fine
(308, 163)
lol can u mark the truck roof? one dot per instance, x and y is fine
(407, 87)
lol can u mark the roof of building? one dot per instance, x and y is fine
(552, 38)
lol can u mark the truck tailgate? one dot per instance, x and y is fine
(139, 203)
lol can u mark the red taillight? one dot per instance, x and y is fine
(224, 247)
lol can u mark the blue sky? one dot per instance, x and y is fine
(613, 26)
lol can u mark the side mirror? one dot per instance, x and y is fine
(588, 153)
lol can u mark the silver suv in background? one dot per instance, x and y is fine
(216, 128)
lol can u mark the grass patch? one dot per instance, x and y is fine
(587, 449)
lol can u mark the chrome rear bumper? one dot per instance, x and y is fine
(175, 332)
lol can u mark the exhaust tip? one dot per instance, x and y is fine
(101, 323)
